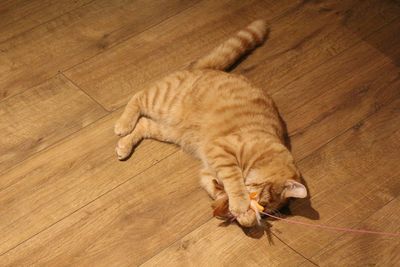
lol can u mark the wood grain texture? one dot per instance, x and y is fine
(19, 16)
(130, 67)
(304, 36)
(39, 54)
(387, 42)
(118, 228)
(370, 15)
(208, 245)
(365, 81)
(349, 179)
(342, 194)
(55, 183)
(367, 250)
(300, 41)
(41, 116)
(332, 67)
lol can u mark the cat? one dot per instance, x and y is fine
(232, 126)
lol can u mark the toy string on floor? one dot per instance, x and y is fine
(332, 228)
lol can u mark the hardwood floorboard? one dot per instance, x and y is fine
(74, 37)
(138, 210)
(166, 48)
(302, 41)
(301, 38)
(41, 116)
(31, 191)
(56, 182)
(349, 179)
(20, 16)
(177, 161)
(158, 202)
(341, 201)
(227, 246)
(370, 15)
(387, 42)
(336, 96)
(367, 250)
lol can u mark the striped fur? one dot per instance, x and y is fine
(230, 51)
(232, 126)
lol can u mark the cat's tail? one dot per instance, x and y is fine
(227, 53)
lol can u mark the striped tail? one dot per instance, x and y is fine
(226, 54)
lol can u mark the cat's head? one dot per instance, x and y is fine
(276, 179)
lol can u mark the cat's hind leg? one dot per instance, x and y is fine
(126, 123)
(145, 128)
(151, 103)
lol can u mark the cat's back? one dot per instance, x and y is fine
(219, 102)
(219, 93)
(210, 88)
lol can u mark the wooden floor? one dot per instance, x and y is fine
(67, 68)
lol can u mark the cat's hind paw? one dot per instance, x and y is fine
(123, 150)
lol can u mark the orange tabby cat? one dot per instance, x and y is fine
(222, 119)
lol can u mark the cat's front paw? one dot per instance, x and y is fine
(247, 219)
(240, 208)
(123, 127)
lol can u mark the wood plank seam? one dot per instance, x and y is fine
(273, 19)
(107, 49)
(332, 58)
(192, 231)
(129, 37)
(77, 86)
(184, 65)
(294, 250)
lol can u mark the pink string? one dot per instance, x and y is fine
(333, 228)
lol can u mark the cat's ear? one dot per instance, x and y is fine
(294, 189)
